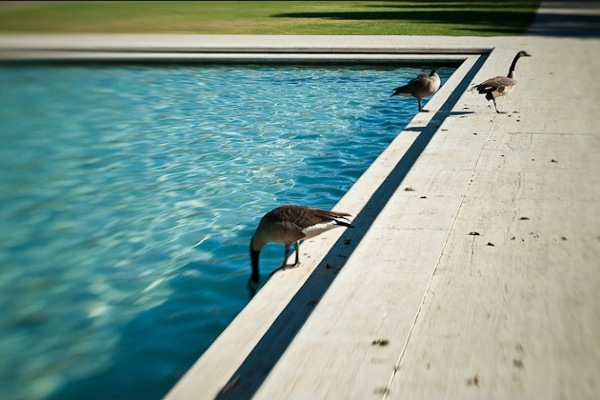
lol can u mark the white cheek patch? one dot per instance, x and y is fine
(314, 230)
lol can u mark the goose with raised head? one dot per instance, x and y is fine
(289, 224)
(500, 85)
(420, 87)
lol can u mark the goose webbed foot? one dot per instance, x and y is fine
(284, 265)
(496, 108)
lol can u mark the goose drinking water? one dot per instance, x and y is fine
(290, 224)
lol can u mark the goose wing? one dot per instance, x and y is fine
(302, 217)
(414, 84)
(421, 86)
(499, 83)
(339, 218)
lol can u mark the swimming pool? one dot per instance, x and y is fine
(129, 195)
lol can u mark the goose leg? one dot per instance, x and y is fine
(420, 108)
(284, 265)
(297, 262)
(496, 107)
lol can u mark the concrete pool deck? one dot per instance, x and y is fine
(474, 270)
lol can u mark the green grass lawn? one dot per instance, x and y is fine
(433, 17)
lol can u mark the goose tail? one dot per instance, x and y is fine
(344, 223)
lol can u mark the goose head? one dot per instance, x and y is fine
(513, 65)
(523, 53)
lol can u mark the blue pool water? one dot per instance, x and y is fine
(128, 195)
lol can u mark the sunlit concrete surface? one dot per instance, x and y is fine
(474, 268)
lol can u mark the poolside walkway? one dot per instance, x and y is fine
(474, 270)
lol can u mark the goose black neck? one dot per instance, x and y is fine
(511, 70)
(254, 254)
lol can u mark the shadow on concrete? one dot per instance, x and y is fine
(258, 364)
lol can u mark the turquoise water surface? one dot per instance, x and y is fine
(128, 196)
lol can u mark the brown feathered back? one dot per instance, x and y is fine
(303, 216)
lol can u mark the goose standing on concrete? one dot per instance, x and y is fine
(290, 224)
(500, 85)
(420, 87)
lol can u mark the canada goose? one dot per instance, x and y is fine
(500, 85)
(420, 87)
(290, 224)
